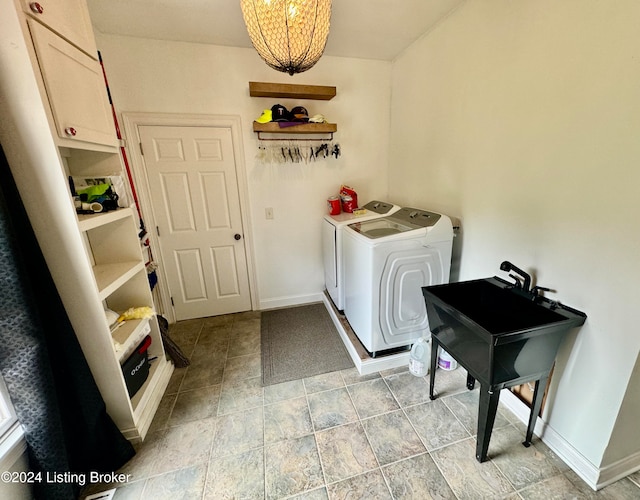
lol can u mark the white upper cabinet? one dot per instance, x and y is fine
(68, 18)
(75, 89)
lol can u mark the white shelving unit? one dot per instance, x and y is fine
(98, 263)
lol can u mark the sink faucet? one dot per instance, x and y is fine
(508, 267)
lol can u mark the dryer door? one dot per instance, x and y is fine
(403, 315)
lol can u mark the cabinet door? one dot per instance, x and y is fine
(76, 90)
(69, 18)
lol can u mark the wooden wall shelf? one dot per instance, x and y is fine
(293, 91)
(303, 128)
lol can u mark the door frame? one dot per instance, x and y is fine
(131, 123)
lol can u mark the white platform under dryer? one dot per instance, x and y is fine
(386, 262)
(332, 228)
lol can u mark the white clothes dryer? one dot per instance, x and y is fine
(332, 228)
(387, 261)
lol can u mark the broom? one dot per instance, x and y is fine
(171, 348)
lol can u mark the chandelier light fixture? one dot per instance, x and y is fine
(290, 35)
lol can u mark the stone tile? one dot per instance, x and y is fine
(623, 489)
(185, 445)
(184, 484)
(246, 315)
(203, 373)
(331, 408)
(407, 389)
(238, 432)
(143, 462)
(395, 371)
(449, 382)
(221, 320)
(540, 446)
(435, 424)
(372, 397)
(417, 478)
(243, 326)
(465, 407)
(323, 382)
(210, 345)
(247, 343)
(287, 420)
(317, 494)
(195, 405)
(521, 466)
(239, 395)
(176, 380)
(285, 390)
(557, 487)
(291, 467)
(186, 339)
(352, 376)
(161, 418)
(188, 329)
(129, 491)
(345, 452)
(468, 478)
(242, 367)
(236, 476)
(365, 487)
(392, 437)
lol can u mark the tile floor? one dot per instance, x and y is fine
(219, 434)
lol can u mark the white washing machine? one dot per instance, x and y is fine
(332, 229)
(386, 262)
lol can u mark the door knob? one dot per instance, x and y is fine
(237, 236)
(36, 8)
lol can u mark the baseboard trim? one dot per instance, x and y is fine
(12, 446)
(618, 470)
(588, 472)
(290, 300)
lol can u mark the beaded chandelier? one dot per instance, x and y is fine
(290, 35)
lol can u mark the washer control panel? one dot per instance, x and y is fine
(421, 218)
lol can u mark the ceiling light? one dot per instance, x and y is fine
(290, 35)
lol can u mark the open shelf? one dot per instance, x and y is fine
(86, 222)
(110, 277)
(303, 128)
(129, 334)
(290, 90)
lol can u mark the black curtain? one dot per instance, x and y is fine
(67, 428)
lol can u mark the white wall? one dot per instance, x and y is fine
(522, 118)
(171, 77)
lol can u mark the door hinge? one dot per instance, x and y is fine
(172, 302)
(158, 231)
(141, 150)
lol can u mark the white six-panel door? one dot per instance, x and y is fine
(194, 195)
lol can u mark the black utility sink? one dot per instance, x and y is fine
(503, 335)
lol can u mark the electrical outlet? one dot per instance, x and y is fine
(268, 213)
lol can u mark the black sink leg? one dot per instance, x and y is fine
(434, 365)
(486, 417)
(471, 382)
(538, 395)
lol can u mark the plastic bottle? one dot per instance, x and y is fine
(420, 356)
(445, 361)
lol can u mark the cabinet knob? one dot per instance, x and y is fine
(70, 131)
(237, 236)
(36, 8)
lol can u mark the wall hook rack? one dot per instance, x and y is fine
(292, 138)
